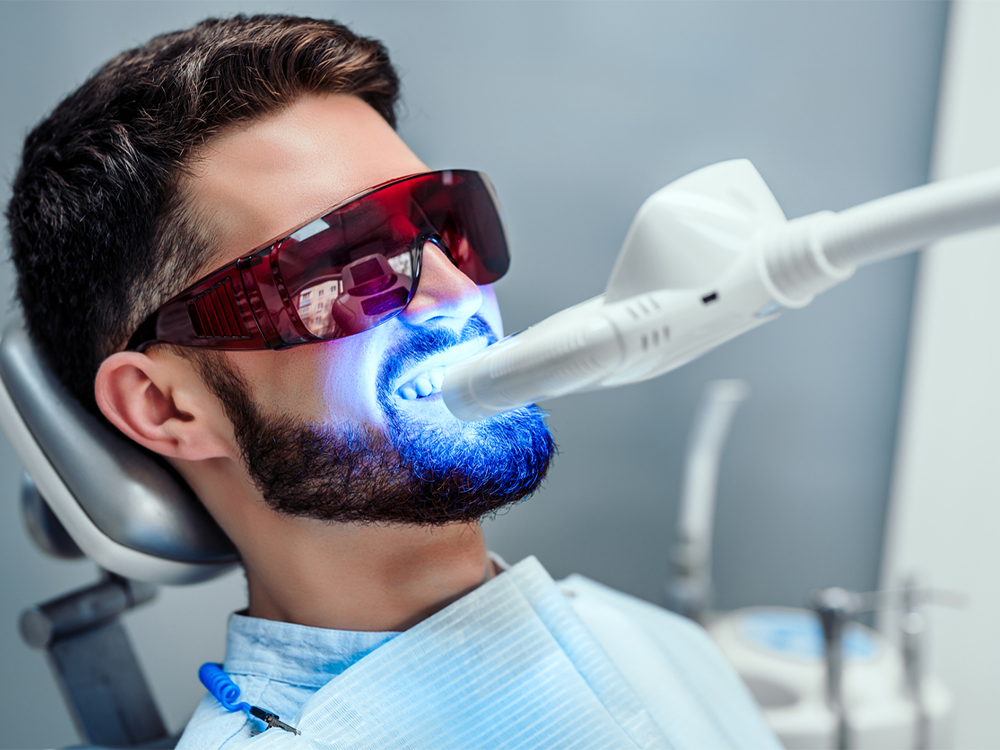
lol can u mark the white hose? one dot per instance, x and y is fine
(689, 588)
(709, 431)
(913, 218)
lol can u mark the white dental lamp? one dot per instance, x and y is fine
(707, 258)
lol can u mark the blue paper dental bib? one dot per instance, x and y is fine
(509, 665)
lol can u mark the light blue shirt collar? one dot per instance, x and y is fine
(295, 654)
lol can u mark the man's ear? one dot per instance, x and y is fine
(162, 404)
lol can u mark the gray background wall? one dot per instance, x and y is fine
(578, 111)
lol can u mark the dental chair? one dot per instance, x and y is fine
(90, 492)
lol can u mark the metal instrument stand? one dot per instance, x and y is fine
(835, 607)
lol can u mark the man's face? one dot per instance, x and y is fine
(347, 421)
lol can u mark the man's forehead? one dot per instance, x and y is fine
(254, 183)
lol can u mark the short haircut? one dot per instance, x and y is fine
(100, 233)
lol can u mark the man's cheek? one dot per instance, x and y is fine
(490, 309)
(349, 381)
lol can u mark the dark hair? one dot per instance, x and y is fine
(100, 233)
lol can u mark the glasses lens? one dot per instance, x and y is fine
(462, 209)
(357, 266)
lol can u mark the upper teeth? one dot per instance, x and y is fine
(423, 384)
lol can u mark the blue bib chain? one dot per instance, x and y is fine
(227, 693)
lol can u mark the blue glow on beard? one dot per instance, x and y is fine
(503, 455)
(415, 471)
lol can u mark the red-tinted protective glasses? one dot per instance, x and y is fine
(346, 272)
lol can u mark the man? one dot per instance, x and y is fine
(237, 188)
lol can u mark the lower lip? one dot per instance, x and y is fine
(419, 399)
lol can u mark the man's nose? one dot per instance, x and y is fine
(443, 291)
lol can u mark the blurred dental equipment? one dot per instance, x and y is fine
(820, 679)
(707, 258)
(825, 681)
(689, 588)
(834, 607)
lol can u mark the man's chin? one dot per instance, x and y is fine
(491, 453)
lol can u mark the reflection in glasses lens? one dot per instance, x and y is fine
(367, 291)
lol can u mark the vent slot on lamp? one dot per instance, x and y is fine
(215, 315)
(655, 337)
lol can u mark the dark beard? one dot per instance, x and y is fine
(414, 473)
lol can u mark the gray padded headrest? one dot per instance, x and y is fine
(133, 499)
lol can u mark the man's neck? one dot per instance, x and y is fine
(374, 578)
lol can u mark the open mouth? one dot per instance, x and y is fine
(425, 379)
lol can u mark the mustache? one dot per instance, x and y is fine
(426, 342)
